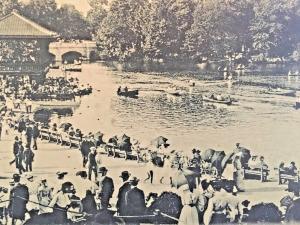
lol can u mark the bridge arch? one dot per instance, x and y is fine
(71, 56)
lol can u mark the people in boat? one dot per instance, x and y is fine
(126, 89)
(119, 89)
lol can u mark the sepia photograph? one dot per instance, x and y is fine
(147, 112)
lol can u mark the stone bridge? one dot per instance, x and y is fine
(64, 50)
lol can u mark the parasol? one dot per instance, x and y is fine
(65, 126)
(207, 154)
(181, 177)
(217, 156)
(160, 141)
(227, 159)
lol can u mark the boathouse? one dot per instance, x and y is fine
(24, 47)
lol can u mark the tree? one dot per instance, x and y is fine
(271, 27)
(220, 27)
(97, 14)
(121, 34)
(71, 24)
(169, 21)
(6, 6)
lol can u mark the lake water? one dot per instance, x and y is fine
(267, 124)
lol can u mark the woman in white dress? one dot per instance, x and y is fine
(189, 213)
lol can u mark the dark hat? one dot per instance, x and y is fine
(29, 177)
(134, 181)
(43, 180)
(238, 143)
(125, 174)
(61, 174)
(16, 177)
(198, 151)
(194, 151)
(102, 169)
(81, 173)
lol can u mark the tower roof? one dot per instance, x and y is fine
(16, 26)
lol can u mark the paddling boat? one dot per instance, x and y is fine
(130, 94)
(175, 92)
(280, 91)
(57, 103)
(226, 101)
(293, 74)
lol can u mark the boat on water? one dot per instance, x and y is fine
(58, 103)
(217, 99)
(293, 74)
(280, 91)
(128, 93)
(174, 92)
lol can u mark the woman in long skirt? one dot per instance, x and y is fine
(189, 213)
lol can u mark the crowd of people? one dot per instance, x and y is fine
(205, 196)
(202, 188)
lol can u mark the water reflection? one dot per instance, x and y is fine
(266, 123)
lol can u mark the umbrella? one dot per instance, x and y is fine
(227, 159)
(207, 154)
(42, 116)
(179, 179)
(98, 134)
(184, 176)
(217, 156)
(160, 141)
(125, 138)
(65, 126)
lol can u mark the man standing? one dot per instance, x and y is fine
(28, 158)
(106, 188)
(35, 135)
(92, 163)
(20, 157)
(29, 132)
(85, 149)
(122, 192)
(17, 201)
(15, 151)
(134, 199)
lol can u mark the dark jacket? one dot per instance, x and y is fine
(16, 147)
(35, 131)
(28, 155)
(135, 202)
(89, 204)
(121, 204)
(92, 160)
(85, 147)
(292, 213)
(29, 132)
(107, 187)
(18, 199)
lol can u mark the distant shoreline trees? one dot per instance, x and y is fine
(170, 30)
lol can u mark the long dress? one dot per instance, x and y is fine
(189, 213)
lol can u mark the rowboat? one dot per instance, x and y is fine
(280, 91)
(130, 94)
(226, 101)
(72, 68)
(175, 92)
(58, 103)
(293, 74)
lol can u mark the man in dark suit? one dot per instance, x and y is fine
(85, 149)
(122, 191)
(35, 135)
(15, 151)
(134, 199)
(106, 186)
(18, 199)
(28, 158)
(29, 133)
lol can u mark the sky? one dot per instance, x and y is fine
(81, 5)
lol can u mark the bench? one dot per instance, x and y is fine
(282, 175)
(258, 174)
